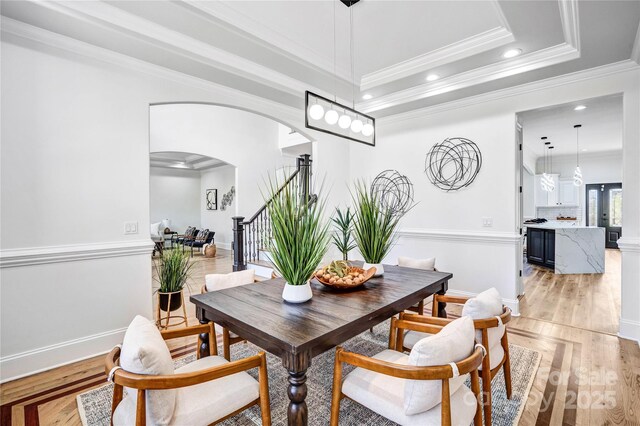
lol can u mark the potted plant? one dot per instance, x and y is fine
(300, 239)
(373, 227)
(172, 272)
(342, 238)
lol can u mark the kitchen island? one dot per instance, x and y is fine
(568, 249)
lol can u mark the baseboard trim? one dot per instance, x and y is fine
(461, 236)
(34, 361)
(629, 245)
(10, 258)
(513, 304)
(629, 330)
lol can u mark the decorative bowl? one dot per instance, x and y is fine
(367, 275)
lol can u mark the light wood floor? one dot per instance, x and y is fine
(587, 375)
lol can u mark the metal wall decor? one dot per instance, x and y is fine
(211, 198)
(227, 198)
(453, 164)
(393, 190)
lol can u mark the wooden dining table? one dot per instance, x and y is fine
(299, 332)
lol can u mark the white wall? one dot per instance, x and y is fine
(448, 225)
(221, 178)
(71, 112)
(175, 194)
(528, 195)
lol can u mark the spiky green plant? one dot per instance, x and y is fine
(300, 236)
(373, 226)
(342, 238)
(173, 270)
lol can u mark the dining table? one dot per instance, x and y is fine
(296, 333)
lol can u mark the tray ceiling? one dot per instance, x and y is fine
(278, 49)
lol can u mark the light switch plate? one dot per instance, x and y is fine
(487, 222)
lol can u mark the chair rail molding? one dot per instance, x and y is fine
(626, 244)
(463, 236)
(10, 258)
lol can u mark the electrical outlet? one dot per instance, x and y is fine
(487, 222)
(130, 228)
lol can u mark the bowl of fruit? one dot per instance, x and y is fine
(340, 274)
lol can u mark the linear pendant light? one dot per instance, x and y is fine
(577, 174)
(330, 116)
(546, 182)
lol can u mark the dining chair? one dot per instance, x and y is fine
(424, 264)
(489, 319)
(424, 388)
(215, 282)
(205, 391)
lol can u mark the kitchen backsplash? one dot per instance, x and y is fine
(552, 213)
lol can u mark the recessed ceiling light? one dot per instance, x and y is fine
(367, 97)
(511, 53)
(584, 149)
(432, 77)
(580, 108)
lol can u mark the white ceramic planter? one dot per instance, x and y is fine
(297, 293)
(378, 266)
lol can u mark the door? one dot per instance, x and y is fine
(550, 248)
(535, 245)
(604, 209)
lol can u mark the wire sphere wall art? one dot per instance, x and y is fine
(393, 190)
(227, 198)
(453, 164)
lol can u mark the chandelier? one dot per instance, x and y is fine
(547, 182)
(577, 174)
(330, 116)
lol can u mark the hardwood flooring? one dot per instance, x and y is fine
(587, 375)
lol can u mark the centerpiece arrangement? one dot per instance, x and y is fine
(340, 274)
(300, 239)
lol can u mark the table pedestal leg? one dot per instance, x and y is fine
(297, 391)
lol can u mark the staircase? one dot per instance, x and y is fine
(251, 237)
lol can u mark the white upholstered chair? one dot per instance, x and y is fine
(206, 391)
(423, 388)
(215, 282)
(489, 318)
(424, 264)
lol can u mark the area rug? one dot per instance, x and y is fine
(95, 406)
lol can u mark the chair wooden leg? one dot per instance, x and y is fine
(434, 306)
(475, 388)
(226, 345)
(337, 388)
(184, 310)
(446, 404)
(117, 397)
(421, 307)
(141, 408)
(486, 388)
(213, 341)
(263, 380)
(158, 312)
(507, 365)
(392, 333)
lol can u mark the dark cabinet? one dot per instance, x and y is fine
(541, 247)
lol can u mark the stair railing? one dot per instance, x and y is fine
(251, 237)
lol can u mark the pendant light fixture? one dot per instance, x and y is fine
(577, 174)
(340, 120)
(546, 182)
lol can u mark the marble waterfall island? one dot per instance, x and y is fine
(566, 248)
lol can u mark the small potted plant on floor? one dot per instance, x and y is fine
(172, 272)
(373, 227)
(300, 240)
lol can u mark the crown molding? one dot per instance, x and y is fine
(591, 73)
(570, 22)
(273, 40)
(10, 258)
(110, 17)
(282, 113)
(635, 52)
(479, 43)
(542, 58)
(461, 236)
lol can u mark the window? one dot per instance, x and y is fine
(592, 208)
(615, 207)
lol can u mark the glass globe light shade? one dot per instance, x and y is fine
(367, 130)
(344, 122)
(356, 126)
(577, 177)
(331, 117)
(316, 111)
